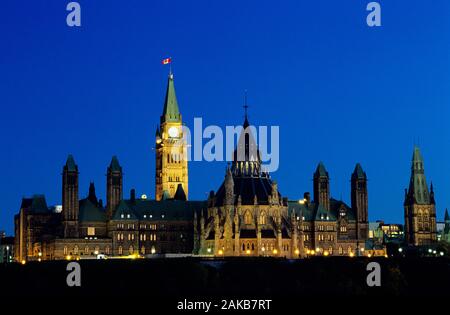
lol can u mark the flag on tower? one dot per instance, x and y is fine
(166, 61)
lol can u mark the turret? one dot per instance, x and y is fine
(359, 201)
(114, 186)
(322, 187)
(70, 201)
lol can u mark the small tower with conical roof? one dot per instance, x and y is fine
(171, 154)
(420, 211)
(70, 200)
(322, 186)
(114, 186)
(92, 196)
(359, 200)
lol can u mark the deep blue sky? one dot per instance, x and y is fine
(340, 91)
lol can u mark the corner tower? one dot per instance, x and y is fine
(322, 186)
(420, 210)
(171, 154)
(114, 186)
(359, 201)
(70, 198)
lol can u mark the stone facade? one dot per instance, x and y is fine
(420, 206)
(248, 216)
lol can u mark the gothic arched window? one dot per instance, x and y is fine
(263, 218)
(248, 218)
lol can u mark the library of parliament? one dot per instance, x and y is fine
(246, 216)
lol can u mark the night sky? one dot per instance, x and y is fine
(340, 91)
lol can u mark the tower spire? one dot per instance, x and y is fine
(171, 112)
(246, 123)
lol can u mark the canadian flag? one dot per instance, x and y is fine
(166, 61)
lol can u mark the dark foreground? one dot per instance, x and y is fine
(192, 278)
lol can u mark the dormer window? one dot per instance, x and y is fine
(122, 216)
(128, 216)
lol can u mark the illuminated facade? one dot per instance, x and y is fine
(85, 228)
(248, 216)
(420, 206)
(171, 156)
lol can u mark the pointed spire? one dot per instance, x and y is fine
(171, 111)
(114, 166)
(246, 123)
(180, 194)
(418, 189)
(432, 201)
(446, 217)
(92, 197)
(70, 164)
(321, 170)
(417, 156)
(359, 173)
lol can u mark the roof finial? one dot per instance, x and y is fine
(245, 103)
(246, 124)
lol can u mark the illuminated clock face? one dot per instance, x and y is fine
(173, 132)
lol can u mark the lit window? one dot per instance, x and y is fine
(91, 231)
(263, 218)
(248, 218)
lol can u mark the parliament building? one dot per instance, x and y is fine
(246, 216)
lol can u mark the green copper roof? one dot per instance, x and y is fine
(418, 189)
(123, 211)
(316, 212)
(321, 171)
(152, 210)
(358, 172)
(417, 156)
(165, 195)
(115, 166)
(70, 164)
(35, 204)
(89, 212)
(171, 111)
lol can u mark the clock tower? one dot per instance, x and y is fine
(171, 154)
